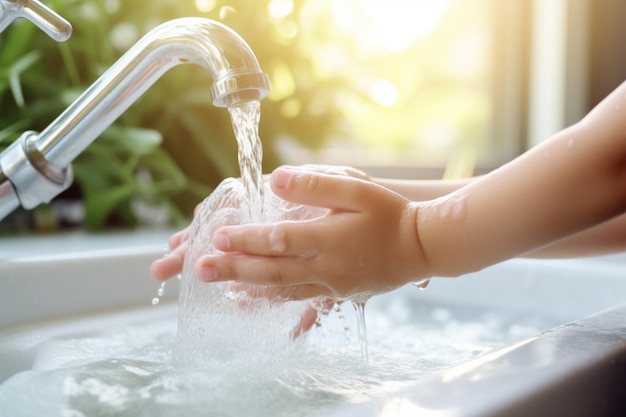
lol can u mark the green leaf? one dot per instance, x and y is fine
(16, 41)
(99, 206)
(99, 172)
(211, 149)
(16, 70)
(135, 140)
(164, 167)
(8, 134)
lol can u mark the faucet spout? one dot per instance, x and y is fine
(237, 78)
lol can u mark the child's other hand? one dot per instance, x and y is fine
(172, 263)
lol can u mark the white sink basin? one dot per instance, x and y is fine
(77, 285)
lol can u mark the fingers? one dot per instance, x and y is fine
(273, 239)
(172, 263)
(169, 265)
(282, 272)
(307, 320)
(177, 238)
(317, 189)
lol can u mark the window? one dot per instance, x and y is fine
(422, 82)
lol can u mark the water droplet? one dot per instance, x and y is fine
(342, 318)
(155, 301)
(421, 284)
(161, 290)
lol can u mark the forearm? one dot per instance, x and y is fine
(606, 238)
(572, 182)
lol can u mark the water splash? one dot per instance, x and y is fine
(217, 317)
(219, 321)
(212, 315)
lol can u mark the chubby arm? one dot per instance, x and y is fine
(606, 238)
(572, 182)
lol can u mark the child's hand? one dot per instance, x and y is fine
(172, 263)
(366, 244)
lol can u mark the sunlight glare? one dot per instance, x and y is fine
(384, 93)
(280, 9)
(205, 6)
(392, 25)
(468, 56)
(343, 14)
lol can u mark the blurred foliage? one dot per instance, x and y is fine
(365, 82)
(173, 146)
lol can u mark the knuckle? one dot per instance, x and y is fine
(311, 184)
(278, 239)
(274, 276)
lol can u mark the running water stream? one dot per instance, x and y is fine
(245, 120)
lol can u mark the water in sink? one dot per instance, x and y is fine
(130, 371)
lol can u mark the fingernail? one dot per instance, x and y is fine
(281, 178)
(221, 241)
(205, 272)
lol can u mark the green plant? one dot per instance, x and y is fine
(172, 147)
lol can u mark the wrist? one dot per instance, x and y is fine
(413, 249)
(439, 227)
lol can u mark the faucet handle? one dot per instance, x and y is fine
(42, 16)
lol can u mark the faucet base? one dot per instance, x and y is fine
(8, 197)
(26, 177)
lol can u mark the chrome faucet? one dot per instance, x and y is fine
(36, 167)
(54, 25)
